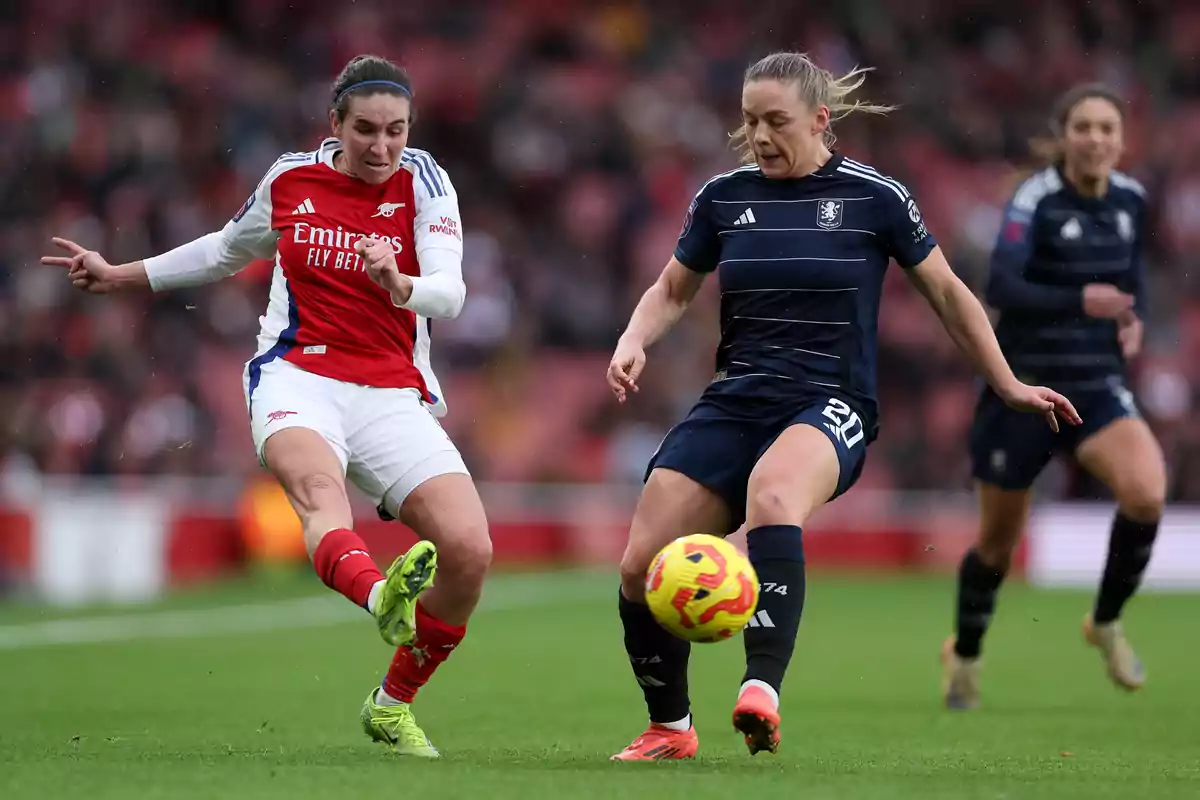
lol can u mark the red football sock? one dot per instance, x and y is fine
(413, 664)
(344, 564)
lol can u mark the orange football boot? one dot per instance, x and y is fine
(756, 716)
(661, 744)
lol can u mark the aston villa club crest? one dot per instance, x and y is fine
(829, 214)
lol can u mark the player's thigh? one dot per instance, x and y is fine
(1009, 449)
(1003, 514)
(298, 435)
(816, 457)
(1126, 457)
(671, 505)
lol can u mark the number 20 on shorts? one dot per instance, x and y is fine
(846, 424)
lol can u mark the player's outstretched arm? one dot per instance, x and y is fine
(246, 237)
(660, 307)
(211, 257)
(89, 271)
(967, 323)
(204, 260)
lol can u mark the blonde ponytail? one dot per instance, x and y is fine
(817, 87)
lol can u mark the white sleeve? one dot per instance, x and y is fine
(217, 255)
(439, 292)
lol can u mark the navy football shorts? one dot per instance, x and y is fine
(1010, 448)
(720, 441)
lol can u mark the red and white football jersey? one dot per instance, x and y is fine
(325, 315)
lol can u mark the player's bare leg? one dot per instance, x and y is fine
(1003, 514)
(794, 477)
(671, 505)
(313, 478)
(445, 510)
(1127, 458)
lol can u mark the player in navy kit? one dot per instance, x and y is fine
(1067, 279)
(800, 238)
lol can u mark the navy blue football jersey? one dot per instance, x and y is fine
(801, 263)
(1055, 241)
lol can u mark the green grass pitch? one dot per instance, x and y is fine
(253, 690)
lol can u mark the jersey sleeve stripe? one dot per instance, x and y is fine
(1128, 182)
(1036, 189)
(863, 168)
(428, 168)
(867, 177)
(434, 173)
(408, 159)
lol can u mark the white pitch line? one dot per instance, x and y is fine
(297, 613)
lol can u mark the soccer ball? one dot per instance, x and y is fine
(702, 588)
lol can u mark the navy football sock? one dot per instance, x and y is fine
(977, 587)
(1129, 549)
(659, 661)
(777, 554)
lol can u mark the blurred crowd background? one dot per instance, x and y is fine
(576, 134)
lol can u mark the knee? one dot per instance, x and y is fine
(316, 490)
(773, 504)
(1143, 500)
(633, 575)
(998, 542)
(995, 555)
(466, 558)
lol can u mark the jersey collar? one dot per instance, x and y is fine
(830, 166)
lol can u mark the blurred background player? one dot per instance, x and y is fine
(1067, 278)
(367, 244)
(801, 237)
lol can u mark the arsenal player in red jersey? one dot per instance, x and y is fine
(367, 243)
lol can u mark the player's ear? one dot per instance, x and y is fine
(334, 123)
(820, 119)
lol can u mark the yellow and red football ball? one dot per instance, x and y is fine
(702, 588)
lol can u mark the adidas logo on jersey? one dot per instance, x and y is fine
(305, 208)
(746, 218)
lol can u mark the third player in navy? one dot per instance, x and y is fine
(1067, 278)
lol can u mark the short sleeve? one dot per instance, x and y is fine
(906, 237)
(699, 245)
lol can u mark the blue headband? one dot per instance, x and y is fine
(403, 89)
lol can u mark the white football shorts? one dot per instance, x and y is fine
(389, 443)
